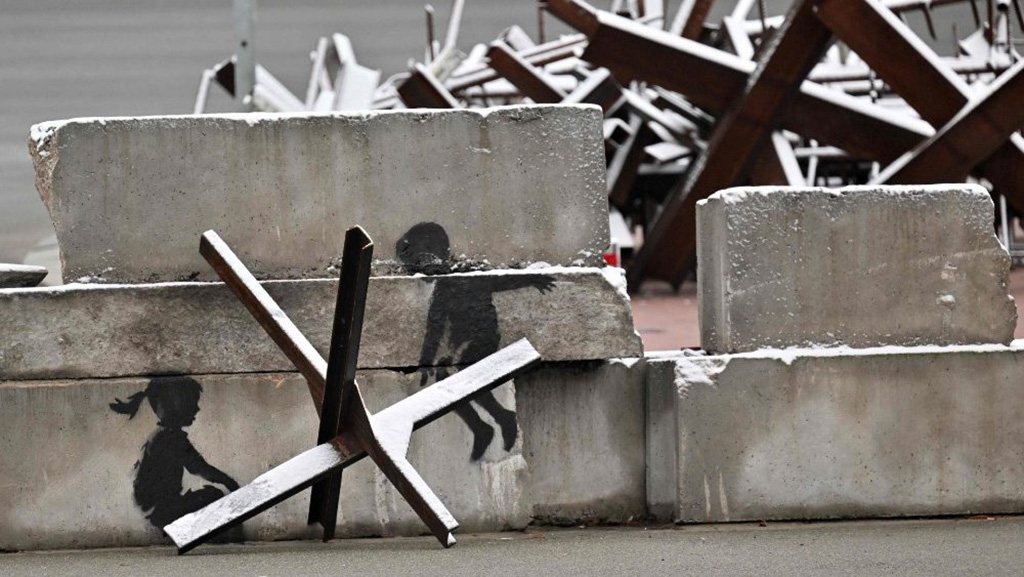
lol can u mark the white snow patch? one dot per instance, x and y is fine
(628, 362)
(689, 373)
(790, 354)
(617, 278)
(739, 194)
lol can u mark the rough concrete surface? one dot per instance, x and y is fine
(923, 547)
(129, 197)
(20, 275)
(860, 266)
(70, 461)
(79, 331)
(827, 434)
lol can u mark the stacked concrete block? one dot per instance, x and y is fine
(857, 266)
(854, 393)
(129, 196)
(515, 187)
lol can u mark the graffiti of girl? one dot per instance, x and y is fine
(168, 453)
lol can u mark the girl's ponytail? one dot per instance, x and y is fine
(129, 407)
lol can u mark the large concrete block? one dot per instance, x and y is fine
(79, 331)
(861, 266)
(75, 470)
(837, 433)
(129, 197)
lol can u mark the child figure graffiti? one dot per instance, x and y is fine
(169, 453)
(462, 308)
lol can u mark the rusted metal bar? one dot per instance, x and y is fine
(529, 80)
(537, 56)
(422, 90)
(974, 134)
(777, 164)
(917, 74)
(899, 57)
(622, 170)
(740, 133)
(341, 366)
(711, 79)
(261, 305)
(680, 129)
(599, 88)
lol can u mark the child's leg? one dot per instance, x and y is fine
(483, 433)
(505, 418)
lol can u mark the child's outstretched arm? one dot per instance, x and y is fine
(197, 465)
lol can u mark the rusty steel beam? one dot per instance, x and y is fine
(622, 171)
(530, 80)
(898, 55)
(537, 55)
(741, 132)
(339, 390)
(920, 77)
(599, 88)
(777, 164)
(974, 134)
(712, 79)
(262, 307)
(422, 90)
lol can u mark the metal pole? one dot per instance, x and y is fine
(431, 53)
(245, 58)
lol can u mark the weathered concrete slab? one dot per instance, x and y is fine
(861, 266)
(71, 480)
(837, 433)
(129, 197)
(79, 331)
(20, 275)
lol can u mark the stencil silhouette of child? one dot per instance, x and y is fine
(462, 308)
(168, 453)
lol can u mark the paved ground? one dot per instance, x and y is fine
(893, 548)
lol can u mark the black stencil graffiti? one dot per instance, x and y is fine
(168, 453)
(462, 309)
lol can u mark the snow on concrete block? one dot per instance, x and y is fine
(129, 197)
(859, 266)
(836, 433)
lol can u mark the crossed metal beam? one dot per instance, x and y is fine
(348, 432)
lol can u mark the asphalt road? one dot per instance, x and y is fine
(62, 59)
(891, 548)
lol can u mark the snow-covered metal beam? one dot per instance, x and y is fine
(974, 134)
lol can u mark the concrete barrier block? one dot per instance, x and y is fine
(827, 434)
(129, 197)
(77, 473)
(860, 266)
(80, 331)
